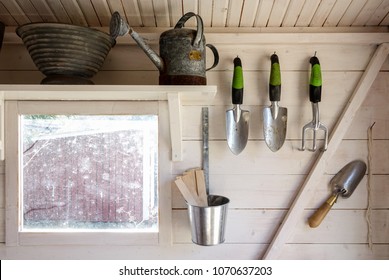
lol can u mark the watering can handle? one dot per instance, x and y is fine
(215, 56)
(200, 26)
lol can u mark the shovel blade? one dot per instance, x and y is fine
(237, 130)
(274, 128)
(348, 178)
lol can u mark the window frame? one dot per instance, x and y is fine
(15, 108)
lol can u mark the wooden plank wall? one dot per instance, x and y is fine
(260, 184)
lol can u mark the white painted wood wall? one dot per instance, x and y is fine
(260, 184)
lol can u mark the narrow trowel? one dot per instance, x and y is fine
(237, 120)
(275, 117)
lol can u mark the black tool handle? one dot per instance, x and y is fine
(315, 82)
(237, 82)
(275, 79)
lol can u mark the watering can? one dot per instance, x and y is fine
(182, 56)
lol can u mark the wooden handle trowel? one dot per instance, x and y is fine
(237, 120)
(343, 184)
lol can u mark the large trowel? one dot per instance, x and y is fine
(275, 117)
(237, 120)
(343, 184)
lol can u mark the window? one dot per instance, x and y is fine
(82, 172)
(89, 173)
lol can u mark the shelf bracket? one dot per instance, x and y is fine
(174, 101)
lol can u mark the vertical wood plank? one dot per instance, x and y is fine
(59, 11)
(366, 12)
(74, 12)
(131, 10)
(44, 10)
(102, 11)
(205, 11)
(337, 12)
(6, 17)
(263, 13)
(190, 6)
(16, 11)
(245, 11)
(278, 12)
(29, 10)
(89, 12)
(161, 11)
(307, 13)
(175, 8)
(352, 12)
(292, 13)
(147, 13)
(175, 125)
(379, 14)
(322, 13)
(219, 13)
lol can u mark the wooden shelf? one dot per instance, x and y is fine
(176, 96)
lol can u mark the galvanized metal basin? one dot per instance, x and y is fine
(66, 50)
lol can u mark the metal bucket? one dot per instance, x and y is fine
(208, 223)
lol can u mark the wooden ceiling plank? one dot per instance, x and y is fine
(352, 12)
(219, 13)
(379, 14)
(102, 11)
(366, 12)
(385, 21)
(191, 6)
(59, 11)
(205, 11)
(175, 8)
(74, 12)
(5, 16)
(278, 12)
(245, 11)
(292, 13)
(130, 9)
(16, 11)
(89, 12)
(337, 13)
(44, 10)
(263, 13)
(322, 13)
(147, 13)
(29, 10)
(307, 13)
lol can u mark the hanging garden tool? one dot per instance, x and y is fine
(315, 84)
(274, 116)
(343, 184)
(237, 120)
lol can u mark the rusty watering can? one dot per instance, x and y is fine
(182, 57)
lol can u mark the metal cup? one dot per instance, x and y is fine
(208, 223)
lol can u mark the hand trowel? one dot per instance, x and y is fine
(275, 117)
(343, 184)
(237, 120)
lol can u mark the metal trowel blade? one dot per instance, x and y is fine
(237, 128)
(274, 128)
(348, 178)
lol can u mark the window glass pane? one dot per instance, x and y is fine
(84, 173)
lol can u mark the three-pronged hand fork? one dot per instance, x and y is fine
(315, 84)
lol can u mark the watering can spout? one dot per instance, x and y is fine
(119, 27)
(154, 57)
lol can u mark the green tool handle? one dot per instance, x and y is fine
(275, 79)
(315, 82)
(237, 82)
